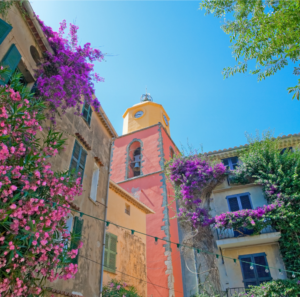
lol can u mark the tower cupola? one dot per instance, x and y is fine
(145, 114)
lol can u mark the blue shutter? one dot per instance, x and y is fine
(233, 204)
(89, 115)
(87, 112)
(77, 232)
(5, 28)
(258, 274)
(10, 60)
(245, 202)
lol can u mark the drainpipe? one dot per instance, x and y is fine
(105, 217)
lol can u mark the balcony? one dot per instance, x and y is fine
(230, 239)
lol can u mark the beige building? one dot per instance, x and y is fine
(260, 249)
(125, 253)
(87, 150)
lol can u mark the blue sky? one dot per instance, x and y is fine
(178, 54)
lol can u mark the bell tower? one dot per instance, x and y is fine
(137, 165)
(145, 114)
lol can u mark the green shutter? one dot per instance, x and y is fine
(87, 113)
(110, 255)
(77, 231)
(10, 60)
(5, 28)
(78, 160)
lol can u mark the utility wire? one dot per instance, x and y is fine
(171, 242)
(130, 275)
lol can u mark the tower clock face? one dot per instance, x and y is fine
(138, 114)
(166, 120)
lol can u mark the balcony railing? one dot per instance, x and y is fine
(230, 233)
(235, 291)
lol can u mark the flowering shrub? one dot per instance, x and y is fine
(119, 289)
(31, 251)
(274, 288)
(65, 78)
(254, 219)
(194, 175)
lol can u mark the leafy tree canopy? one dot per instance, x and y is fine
(264, 31)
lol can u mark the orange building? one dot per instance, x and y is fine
(137, 165)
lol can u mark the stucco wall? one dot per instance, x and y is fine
(21, 36)
(131, 249)
(87, 280)
(151, 189)
(230, 273)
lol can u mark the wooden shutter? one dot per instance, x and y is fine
(87, 113)
(81, 164)
(94, 185)
(248, 274)
(77, 232)
(245, 202)
(78, 160)
(110, 257)
(10, 60)
(233, 204)
(5, 28)
(262, 275)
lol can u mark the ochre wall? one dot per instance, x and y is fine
(152, 115)
(21, 36)
(131, 249)
(87, 280)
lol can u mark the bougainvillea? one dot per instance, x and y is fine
(119, 289)
(33, 233)
(65, 77)
(195, 175)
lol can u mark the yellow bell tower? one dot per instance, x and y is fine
(145, 114)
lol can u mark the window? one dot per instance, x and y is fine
(257, 275)
(10, 60)
(5, 28)
(78, 160)
(171, 153)
(35, 55)
(134, 162)
(110, 256)
(87, 112)
(231, 163)
(127, 209)
(239, 202)
(95, 180)
(286, 149)
(76, 236)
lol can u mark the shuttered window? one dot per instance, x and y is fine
(95, 179)
(76, 236)
(5, 28)
(87, 113)
(110, 256)
(11, 61)
(257, 275)
(239, 202)
(78, 160)
(231, 163)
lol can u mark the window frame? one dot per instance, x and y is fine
(230, 164)
(127, 209)
(239, 200)
(89, 111)
(109, 251)
(77, 225)
(257, 278)
(78, 160)
(96, 168)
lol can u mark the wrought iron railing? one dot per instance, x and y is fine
(235, 291)
(230, 233)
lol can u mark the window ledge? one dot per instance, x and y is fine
(94, 202)
(110, 271)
